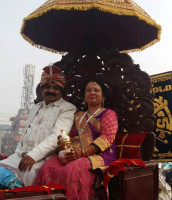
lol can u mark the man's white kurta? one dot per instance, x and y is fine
(39, 139)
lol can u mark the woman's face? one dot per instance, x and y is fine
(93, 94)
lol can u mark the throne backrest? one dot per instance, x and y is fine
(129, 89)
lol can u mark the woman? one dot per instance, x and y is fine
(93, 147)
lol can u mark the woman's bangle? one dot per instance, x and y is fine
(82, 151)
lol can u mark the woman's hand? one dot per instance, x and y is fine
(78, 152)
(72, 155)
(75, 140)
(60, 143)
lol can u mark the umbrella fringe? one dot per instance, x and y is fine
(61, 52)
(105, 8)
(40, 46)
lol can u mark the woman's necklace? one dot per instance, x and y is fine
(81, 130)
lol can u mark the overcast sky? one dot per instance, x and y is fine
(15, 52)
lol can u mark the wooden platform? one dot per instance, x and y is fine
(136, 183)
(55, 195)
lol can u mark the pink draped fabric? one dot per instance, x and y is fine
(76, 177)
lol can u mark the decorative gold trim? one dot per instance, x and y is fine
(102, 6)
(134, 146)
(120, 155)
(161, 75)
(110, 175)
(134, 162)
(96, 161)
(102, 143)
(161, 160)
(45, 186)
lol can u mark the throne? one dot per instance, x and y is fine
(129, 94)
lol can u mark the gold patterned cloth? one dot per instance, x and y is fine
(100, 131)
(61, 26)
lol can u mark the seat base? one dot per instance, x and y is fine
(55, 195)
(136, 183)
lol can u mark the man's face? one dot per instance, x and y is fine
(51, 92)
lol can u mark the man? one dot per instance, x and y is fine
(45, 122)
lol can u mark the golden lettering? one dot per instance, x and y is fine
(155, 90)
(164, 141)
(164, 131)
(154, 80)
(164, 155)
(162, 121)
(160, 89)
(168, 87)
(169, 154)
(161, 79)
(162, 135)
(155, 155)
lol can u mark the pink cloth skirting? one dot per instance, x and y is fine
(76, 177)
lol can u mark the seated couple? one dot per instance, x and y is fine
(92, 140)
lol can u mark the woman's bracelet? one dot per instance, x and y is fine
(88, 151)
(83, 152)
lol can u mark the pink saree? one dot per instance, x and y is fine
(78, 176)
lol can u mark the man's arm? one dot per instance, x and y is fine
(19, 150)
(49, 144)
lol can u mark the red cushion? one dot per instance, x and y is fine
(47, 188)
(128, 145)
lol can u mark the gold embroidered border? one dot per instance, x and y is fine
(110, 175)
(123, 145)
(102, 143)
(120, 155)
(134, 146)
(96, 161)
(86, 137)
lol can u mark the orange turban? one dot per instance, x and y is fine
(52, 73)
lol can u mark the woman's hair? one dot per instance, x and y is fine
(99, 81)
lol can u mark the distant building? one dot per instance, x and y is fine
(5, 128)
(10, 135)
(5, 139)
(17, 125)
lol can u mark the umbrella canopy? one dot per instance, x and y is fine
(62, 26)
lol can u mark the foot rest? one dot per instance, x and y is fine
(52, 191)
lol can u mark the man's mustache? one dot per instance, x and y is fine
(51, 94)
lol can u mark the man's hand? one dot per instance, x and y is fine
(26, 163)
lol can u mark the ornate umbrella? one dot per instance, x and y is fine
(63, 26)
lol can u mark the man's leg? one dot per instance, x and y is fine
(12, 161)
(28, 177)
